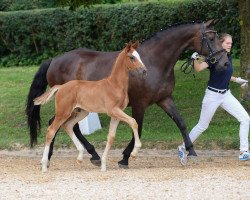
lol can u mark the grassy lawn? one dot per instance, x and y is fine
(159, 131)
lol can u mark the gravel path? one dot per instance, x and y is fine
(155, 174)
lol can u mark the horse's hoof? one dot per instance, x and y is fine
(192, 153)
(133, 157)
(192, 159)
(123, 164)
(96, 162)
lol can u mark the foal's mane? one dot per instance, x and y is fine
(170, 27)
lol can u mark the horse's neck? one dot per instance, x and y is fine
(119, 75)
(166, 47)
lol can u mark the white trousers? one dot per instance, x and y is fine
(211, 101)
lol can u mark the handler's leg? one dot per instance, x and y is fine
(233, 107)
(210, 103)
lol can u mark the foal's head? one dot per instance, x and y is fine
(132, 60)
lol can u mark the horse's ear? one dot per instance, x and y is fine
(136, 44)
(212, 22)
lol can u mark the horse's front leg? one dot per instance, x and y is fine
(169, 107)
(138, 115)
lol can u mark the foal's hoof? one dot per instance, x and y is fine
(96, 162)
(132, 156)
(79, 162)
(123, 164)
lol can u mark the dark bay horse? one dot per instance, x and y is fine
(159, 53)
(75, 99)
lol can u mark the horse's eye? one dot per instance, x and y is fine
(211, 39)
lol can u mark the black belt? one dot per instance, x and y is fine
(218, 91)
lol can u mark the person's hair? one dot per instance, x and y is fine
(223, 37)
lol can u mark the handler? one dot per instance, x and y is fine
(218, 94)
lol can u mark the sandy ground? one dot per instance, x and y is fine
(155, 174)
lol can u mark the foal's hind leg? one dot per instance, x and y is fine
(169, 107)
(95, 159)
(51, 131)
(76, 116)
(110, 139)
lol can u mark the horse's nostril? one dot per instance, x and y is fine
(226, 64)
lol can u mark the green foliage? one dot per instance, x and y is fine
(73, 4)
(37, 34)
(14, 5)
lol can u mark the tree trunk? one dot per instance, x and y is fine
(244, 8)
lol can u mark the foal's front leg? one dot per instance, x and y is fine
(118, 113)
(110, 139)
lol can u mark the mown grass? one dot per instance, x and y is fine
(159, 131)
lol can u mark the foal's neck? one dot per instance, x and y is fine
(119, 75)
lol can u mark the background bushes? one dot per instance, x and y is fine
(28, 37)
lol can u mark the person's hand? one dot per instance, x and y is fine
(195, 55)
(240, 81)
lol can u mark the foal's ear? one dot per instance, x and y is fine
(212, 22)
(128, 46)
(136, 44)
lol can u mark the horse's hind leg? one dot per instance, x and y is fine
(75, 117)
(95, 159)
(51, 146)
(169, 107)
(110, 139)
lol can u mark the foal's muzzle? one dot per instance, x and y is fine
(142, 71)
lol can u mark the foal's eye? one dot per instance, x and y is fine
(132, 58)
(211, 39)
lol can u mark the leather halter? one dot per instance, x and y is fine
(211, 57)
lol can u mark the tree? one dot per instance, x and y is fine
(244, 8)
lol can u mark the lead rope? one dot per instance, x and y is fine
(188, 67)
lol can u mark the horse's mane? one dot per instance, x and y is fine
(170, 27)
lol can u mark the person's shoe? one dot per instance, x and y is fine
(244, 156)
(182, 155)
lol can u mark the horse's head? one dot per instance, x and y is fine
(133, 60)
(210, 46)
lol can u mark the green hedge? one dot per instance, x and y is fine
(28, 37)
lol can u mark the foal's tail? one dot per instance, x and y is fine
(38, 87)
(47, 96)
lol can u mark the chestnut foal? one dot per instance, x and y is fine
(75, 99)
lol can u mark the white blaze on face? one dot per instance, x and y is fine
(136, 54)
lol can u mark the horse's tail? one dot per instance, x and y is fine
(37, 88)
(47, 96)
